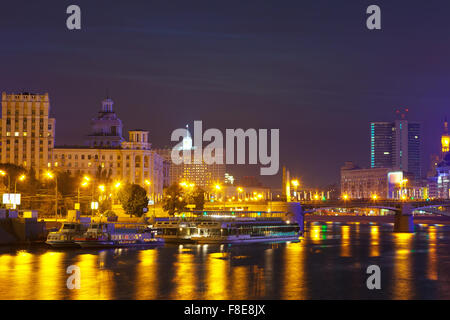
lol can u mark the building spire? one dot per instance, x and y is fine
(445, 138)
(445, 125)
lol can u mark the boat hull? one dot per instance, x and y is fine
(117, 244)
(62, 244)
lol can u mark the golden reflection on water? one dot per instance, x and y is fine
(96, 282)
(402, 277)
(294, 287)
(240, 282)
(217, 270)
(185, 277)
(22, 276)
(432, 272)
(314, 234)
(147, 275)
(51, 276)
(374, 241)
(5, 276)
(345, 241)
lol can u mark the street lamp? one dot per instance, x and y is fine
(50, 175)
(402, 184)
(295, 183)
(3, 173)
(240, 190)
(83, 184)
(21, 179)
(149, 183)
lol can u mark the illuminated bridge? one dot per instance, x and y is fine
(403, 209)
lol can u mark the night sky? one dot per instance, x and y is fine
(310, 68)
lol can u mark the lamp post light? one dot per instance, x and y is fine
(21, 179)
(218, 187)
(295, 183)
(402, 184)
(240, 190)
(50, 175)
(83, 184)
(3, 173)
(148, 183)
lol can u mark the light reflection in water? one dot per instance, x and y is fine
(5, 276)
(402, 276)
(240, 282)
(374, 241)
(22, 275)
(51, 276)
(217, 277)
(432, 273)
(96, 283)
(294, 287)
(185, 277)
(345, 241)
(314, 234)
(147, 275)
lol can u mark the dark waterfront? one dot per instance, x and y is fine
(329, 263)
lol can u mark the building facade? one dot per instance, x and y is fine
(28, 132)
(357, 183)
(197, 171)
(439, 175)
(106, 128)
(396, 145)
(108, 154)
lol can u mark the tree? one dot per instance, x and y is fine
(12, 173)
(133, 199)
(32, 184)
(174, 200)
(105, 205)
(66, 183)
(197, 197)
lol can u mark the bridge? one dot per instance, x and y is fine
(403, 209)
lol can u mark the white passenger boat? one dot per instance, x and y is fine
(175, 231)
(111, 235)
(246, 230)
(65, 236)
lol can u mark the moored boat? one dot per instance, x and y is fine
(113, 235)
(65, 236)
(246, 231)
(175, 231)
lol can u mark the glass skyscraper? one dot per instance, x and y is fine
(396, 145)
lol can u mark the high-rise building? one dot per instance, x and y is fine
(396, 145)
(197, 171)
(28, 133)
(381, 141)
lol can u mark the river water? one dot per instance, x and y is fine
(329, 263)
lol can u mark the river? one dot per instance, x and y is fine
(329, 263)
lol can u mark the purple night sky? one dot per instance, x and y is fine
(310, 68)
